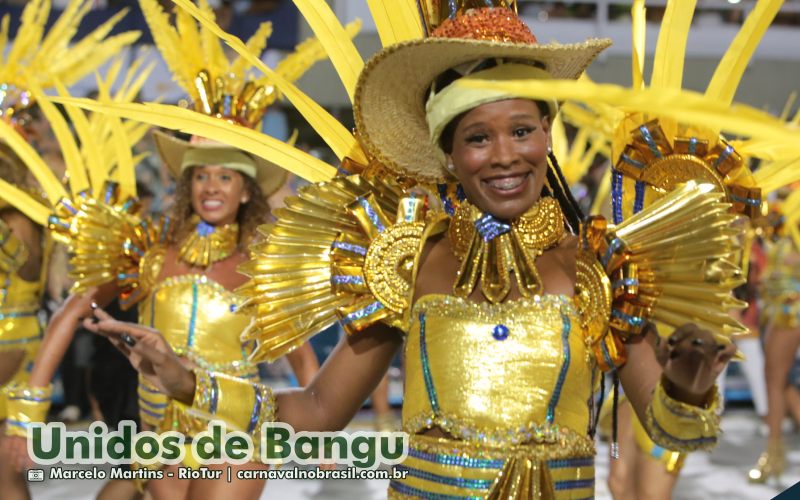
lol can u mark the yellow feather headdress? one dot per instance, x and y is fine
(40, 59)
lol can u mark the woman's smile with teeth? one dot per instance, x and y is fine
(506, 183)
(212, 204)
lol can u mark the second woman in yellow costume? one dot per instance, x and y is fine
(501, 365)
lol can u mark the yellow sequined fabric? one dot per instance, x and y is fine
(208, 244)
(781, 286)
(513, 383)
(197, 317)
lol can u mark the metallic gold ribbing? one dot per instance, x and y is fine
(683, 249)
(208, 244)
(312, 267)
(515, 252)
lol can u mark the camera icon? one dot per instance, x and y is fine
(35, 475)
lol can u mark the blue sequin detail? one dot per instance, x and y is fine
(55, 221)
(347, 280)
(362, 313)
(747, 201)
(426, 369)
(650, 142)
(459, 482)
(630, 161)
(500, 332)
(693, 145)
(256, 411)
(616, 196)
(68, 205)
(624, 282)
(373, 217)
(153, 414)
(414, 492)
(358, 249)
(204, 229)
(638, 202)
(615, 245)
(570, 462)
(232, 308)
(631, 320)
(26, 340)
(193, 319)
(573, 484)
(108, 194)
(21, 314)
(154, 406)
(29, 398)
(723, 156)
(457, 460)
(565, 329)
(490, 227)
(446, 201)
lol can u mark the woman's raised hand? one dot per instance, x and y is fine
(692, 360)
(148, 352)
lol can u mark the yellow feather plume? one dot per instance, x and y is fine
(331, 34)
(25, 203)
(191, 122)
(338, 138)
(639, 33)
(50, 184)
(671, 47)
(733, 64)
(397, 21)
(307, 53)
(255, 45)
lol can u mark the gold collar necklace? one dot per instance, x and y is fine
(491, 249)
(208, 244)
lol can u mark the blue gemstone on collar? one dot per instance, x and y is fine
(204, 229)
(500, 332)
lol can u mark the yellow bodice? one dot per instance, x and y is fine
(20, 301)
(198, 318)
(513, 379)
(481, 369)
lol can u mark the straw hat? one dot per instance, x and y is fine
(269, 176)
(392, 89)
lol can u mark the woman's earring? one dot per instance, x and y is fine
(450, 167)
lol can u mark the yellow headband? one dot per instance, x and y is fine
(224, 157)
(442, 107)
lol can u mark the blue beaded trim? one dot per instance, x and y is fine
(55, 221)
(256, 411)
(25, 340)
(347, 280)
(607, 356)
(373, 217)
(361, 313)
(638, 201)
(723, 156)
(747, 201)
(358, 249)
(616, 196)
(689, 442)
(151, 413)
(426, 369)
(650, 142)
(68, 205)
(193, 319)
(624, 282)
(490, 227)
(447, 203)
(457, 460)
(615, 245)
(459, 482)
(415, 492)
(551, 407)
(571, 462)
(631, 320)
(148, 389)
(630, 161)
(108, 194)
(20, 314)
(693, 145)
(17, 423)
(152, 406)
(573, 484)
(30, 398)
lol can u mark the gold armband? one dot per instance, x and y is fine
(26, 405)
(679, 426)
(242, 405)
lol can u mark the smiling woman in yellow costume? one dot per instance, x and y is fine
(180, 270)
(507, 304)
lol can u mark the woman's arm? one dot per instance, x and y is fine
(341, 386)
(304, 363)
(683, 368)
(61, 329)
